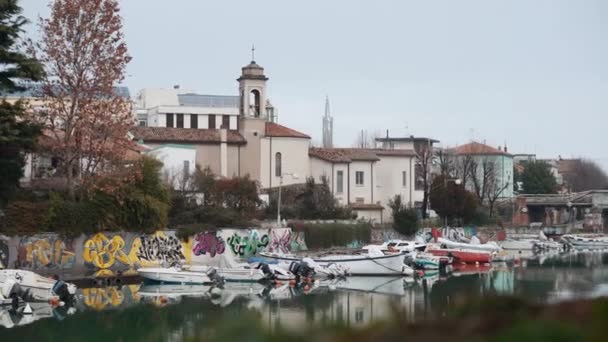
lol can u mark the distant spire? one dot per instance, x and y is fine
(328, 126)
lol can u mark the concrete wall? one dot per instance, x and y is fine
(173, 157)
(365, 191)
(209, 156)
(294, 154)
(106, 253)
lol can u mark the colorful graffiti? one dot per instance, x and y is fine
(248, 245)
(45, 252)
(160, 248)
(208, 243)
(297, 242)
(280, 240)
(3, 255)
(103, 252)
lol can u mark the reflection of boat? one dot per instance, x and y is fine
(31, 286)
(521, 245)
(427, 261)
(382, 285)
(584, 241)
(370, 261)
(13, 318)
(174, 290)
(462, 269)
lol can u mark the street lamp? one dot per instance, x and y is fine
(294, 176)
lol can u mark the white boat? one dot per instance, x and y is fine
(402, 246)
(586, 241)
(34, 286)
(370, 261)
(175, 275)
(427, 261)
(487, 247)
(540, 243)
(248, 273)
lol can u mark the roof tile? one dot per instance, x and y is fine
(184, 135)
(276, 130)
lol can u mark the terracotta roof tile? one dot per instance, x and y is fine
(276, 130)
(184, 135)
(475, 148)
(363, 206)
(347, 155)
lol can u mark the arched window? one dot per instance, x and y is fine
(254, 102)
(278, 168)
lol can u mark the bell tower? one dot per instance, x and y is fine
(252, 91)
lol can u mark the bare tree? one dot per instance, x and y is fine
(494, 189)
(367, 139)
(424, 160)
(481, 174)
(583, 175)
(463, 168)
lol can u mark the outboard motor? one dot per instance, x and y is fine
(215, 277)
(63, 290)
(301, 269)
(266, 270)
(12, 290)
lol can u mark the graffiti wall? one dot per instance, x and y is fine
(106, 253)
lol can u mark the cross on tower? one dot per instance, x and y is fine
(252, 53)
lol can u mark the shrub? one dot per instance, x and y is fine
(327, 235)
(405, 219)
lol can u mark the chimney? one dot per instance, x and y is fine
(176, 87)
(387, 134)
(506, 151)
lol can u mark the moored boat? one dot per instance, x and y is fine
(487, 247)
(586, 241)
(463, 255)
(174, 275)
(368, 262)
(31, 286)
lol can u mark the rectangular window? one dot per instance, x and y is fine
(193, 121)
(169, 120)
(359, 178)
(211, 121)
(226, 121)
(142, 123)
(180, 120)
(359, 200)
(340, 182)
(404, 178)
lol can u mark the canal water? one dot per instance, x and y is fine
(147, 312)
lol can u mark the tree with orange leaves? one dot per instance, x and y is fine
(85, 120)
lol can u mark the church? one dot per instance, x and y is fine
(240, 135)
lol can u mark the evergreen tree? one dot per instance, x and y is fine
(537, 178)
(17, 135)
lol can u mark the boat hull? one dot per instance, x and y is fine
(463, 256)
(173, 275)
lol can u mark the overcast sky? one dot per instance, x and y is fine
(531, 73)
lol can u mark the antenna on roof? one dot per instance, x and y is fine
(252, 53)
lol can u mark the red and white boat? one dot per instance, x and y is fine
(462, 256)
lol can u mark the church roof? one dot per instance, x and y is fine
(276, 130)
(347, 155)
(475, 148)
(184, 135)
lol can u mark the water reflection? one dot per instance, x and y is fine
(352, 301)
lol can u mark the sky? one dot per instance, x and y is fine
(529, 73)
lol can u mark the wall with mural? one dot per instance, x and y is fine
(111, 252)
